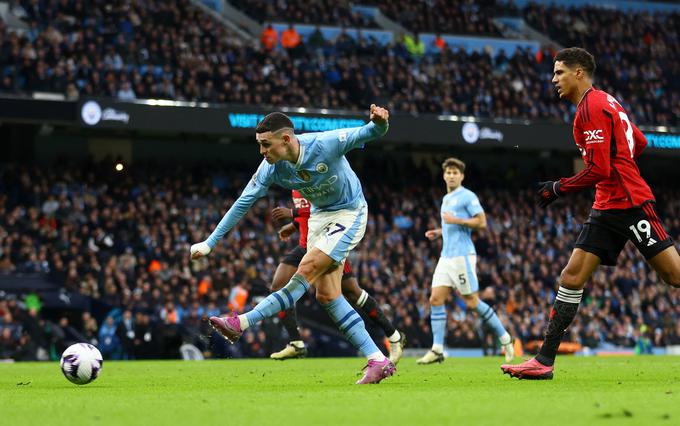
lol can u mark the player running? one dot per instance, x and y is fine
(355, 295)
(461, 213)
(314, 164)
(624, 207)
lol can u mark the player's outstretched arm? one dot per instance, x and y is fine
(255, 189)
(355, 137)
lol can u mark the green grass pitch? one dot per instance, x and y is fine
(461, 391)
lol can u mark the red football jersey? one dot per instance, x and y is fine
(609, 144)
(301, 215)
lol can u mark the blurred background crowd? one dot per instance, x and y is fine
(121, 240)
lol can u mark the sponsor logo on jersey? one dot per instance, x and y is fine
(320, 190)
(651, 242)
(322, 168)
(593, 136)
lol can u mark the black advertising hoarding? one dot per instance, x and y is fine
(233, 120)
(27, 110)
(200, 118)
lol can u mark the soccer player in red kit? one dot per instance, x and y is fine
(354, 294)
(624, 207)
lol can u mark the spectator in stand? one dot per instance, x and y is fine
(329, 12)
(109, 344)
(414, 46)
(439, 44)
(269, 38)
(126, 335)
(179, 53)
(291, 41)
(125, 93)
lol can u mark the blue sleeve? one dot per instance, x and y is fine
(473, 206)
(345, 140)
(256, 188)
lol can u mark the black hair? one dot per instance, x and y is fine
(575, 56)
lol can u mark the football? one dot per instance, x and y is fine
(81, 363)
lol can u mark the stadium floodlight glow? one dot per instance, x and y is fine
(159, 102)
(119, 167)
(302, 110)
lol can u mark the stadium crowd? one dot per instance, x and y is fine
(445, 16)
(122, 240)
(322, 12)
(171, 50)
(637, 53)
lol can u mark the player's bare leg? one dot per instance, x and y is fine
(573, 278)
(364, 302)
(438, 298)
(295, 347)
(490, 319)
(667, 265)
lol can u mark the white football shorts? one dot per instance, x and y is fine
(458, 272)
(337, 233)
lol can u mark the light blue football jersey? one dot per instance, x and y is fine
(464, 204)
(322, 174)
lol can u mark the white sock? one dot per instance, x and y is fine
(395, 337)
(505, 339)
(297, 343)
(362, 299)
(244, 322)
(438, 348)
(376, 356)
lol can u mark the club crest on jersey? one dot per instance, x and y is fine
(322, 168)
(304, 175)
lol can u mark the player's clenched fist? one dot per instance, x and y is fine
(286, 231)
(379, 115)
(200, 249)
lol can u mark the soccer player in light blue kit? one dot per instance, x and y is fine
(461, 212)
(315, 165)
